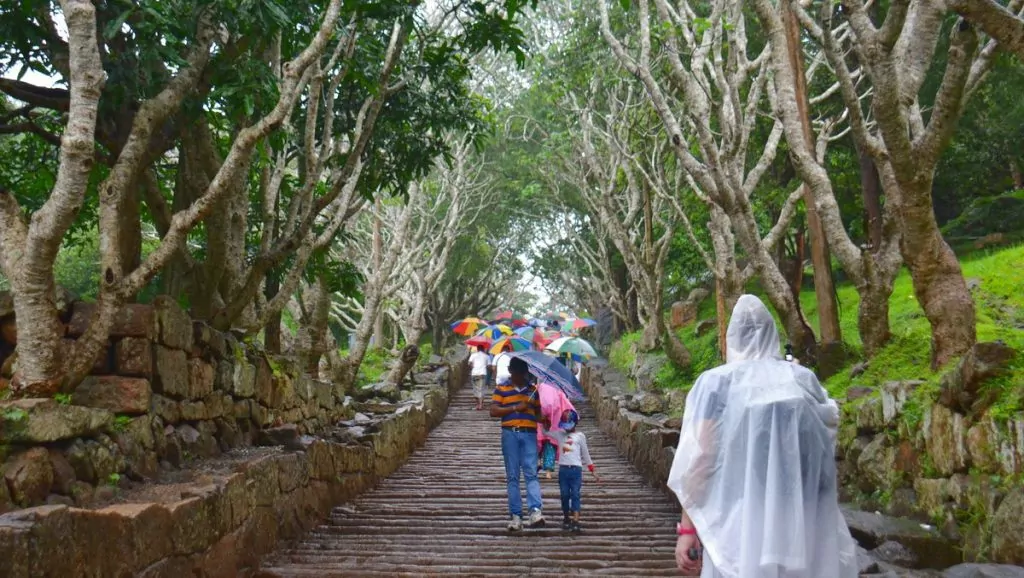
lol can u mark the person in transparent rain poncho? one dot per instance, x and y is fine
(755, 468)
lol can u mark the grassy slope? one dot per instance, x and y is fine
(1000, 301)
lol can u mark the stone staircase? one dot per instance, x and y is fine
(444, 513)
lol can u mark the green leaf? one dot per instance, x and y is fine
(114, 26)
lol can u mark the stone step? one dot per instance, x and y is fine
(444, 513)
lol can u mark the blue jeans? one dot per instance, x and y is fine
(520, 452)
(570, 484)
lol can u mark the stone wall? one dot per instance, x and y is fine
(167, 390)
(190, 450)
(648, 441)
(961, 470)
(902, 451)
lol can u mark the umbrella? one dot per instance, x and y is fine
(544, 337)
(478, 341)
(513, 318)
(572, 345)
(577, 324)
(553, 403)
(493, 332)
(548, 369)
(468, 326)
(527, 333)
(517, 343)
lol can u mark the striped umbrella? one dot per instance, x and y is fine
(468, 326)
(517, 343)
(478, 341)
(493, 332)
(526, 333)
(511, 317)
(577, 324)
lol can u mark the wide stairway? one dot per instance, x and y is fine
(444, 513)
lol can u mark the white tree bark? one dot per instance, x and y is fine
(711, 136)
(28, 250)
(895, 56)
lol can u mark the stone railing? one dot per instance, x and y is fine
(149, 468)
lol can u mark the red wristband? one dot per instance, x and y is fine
(683, 531)
(591, 468)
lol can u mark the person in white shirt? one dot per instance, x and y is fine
(478, 362)
(500, 363)
(574, 454)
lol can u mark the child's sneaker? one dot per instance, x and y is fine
(574, 527)
(515, 524)
(536, 519)
(566, 523)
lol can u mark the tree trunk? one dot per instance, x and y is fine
(1015, 173)
(796, 273)
(272, 330)
(873, 317)
(405, 362)
(824, 286)
(378, 255)
(130, 237)
(871, 192)
(800, 334)
(938, 279)
(312, 336)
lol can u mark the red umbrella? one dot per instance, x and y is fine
(478, 341)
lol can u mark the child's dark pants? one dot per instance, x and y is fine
(570, 482)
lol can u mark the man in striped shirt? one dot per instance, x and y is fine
(516, 402)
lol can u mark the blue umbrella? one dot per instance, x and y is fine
(549, 370)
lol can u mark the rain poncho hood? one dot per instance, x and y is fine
(553, 403)
(755, 467)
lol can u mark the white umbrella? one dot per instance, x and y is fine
(572, 345)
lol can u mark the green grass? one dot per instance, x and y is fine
(1000, 315)
(1000, 311)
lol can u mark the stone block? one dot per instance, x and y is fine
(945, 439)
(102, 365)
(982, 446)
(683, 313)
(63, 473)
(869, 416)
(149, 531)
(244, 381)
(223, 376)
(193, 411)
(321, 461)
(29, 476)
(191, 530)
(134, 356)
(1008, 529)
(174, 326)
(171, 372)
(242, 409)
(130, 395)
(166, 408)
(131, 320)
(292, 472)
(200, 378)
(873, 530)
(42, 420)
(264, 386)
(262, 482)
(894, 396)
(207, 342)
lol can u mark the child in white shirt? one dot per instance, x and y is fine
(574, 455)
